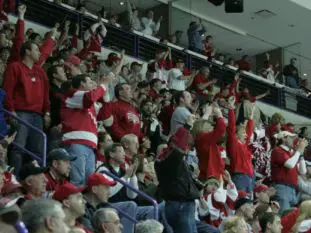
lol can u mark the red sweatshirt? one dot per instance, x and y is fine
(27, 89)
(211, 162)
(241, 156)
(125, 117)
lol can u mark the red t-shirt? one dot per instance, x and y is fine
(279, 173)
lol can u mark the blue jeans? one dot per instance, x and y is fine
(286, 196)
(27, 138)
(131, 208)
(181, 216)
(292, 82)
(83, 166)
(243, 182)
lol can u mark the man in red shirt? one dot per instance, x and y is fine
(59, 168)
(73, 204)
(121, 116)
(155, 87)
(201, 84)
(209, 152)
(286, 164)
(26, 86)
(243, 64)
(237, 148)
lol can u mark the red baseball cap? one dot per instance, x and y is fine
(260, 188)
(72, 60)
(65, 190)
(99, 179)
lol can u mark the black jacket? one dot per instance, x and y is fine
(174, 175)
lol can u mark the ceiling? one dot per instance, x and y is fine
(289, 26)
(115, 6)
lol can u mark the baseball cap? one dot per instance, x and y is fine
(242, 201)
(72, 60)
(29, 170)
(260, 188)
(135, 63)
(284, 134)
(60, 154)
(99, 179)
(65, 190)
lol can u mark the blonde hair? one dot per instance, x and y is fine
(231, 223)
(304, 214)
(127, 138)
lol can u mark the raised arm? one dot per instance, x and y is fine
(19, 38)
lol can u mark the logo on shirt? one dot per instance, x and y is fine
(132, 117)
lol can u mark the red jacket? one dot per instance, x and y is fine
(279, 173)
(27, 89)
(211, 163)
(124, 116)
(78, 116)
(241, 156)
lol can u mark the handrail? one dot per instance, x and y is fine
(43, 159)
(126, 215)
(144, 195)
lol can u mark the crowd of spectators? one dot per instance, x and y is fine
(211, 159)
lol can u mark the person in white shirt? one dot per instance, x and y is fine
(150, 27)
(177, 80)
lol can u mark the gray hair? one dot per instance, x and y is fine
(100, 216)
(35, 212)
(149, 226)
(204, 69)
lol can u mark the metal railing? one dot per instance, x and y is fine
(138, 192)
(142, 47)
(42, 159)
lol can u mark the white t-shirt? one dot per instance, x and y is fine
(174, 81)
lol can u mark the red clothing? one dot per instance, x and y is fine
(289, 220)
(153, 94)
(52, 183)
(279, 173)
(27, 89)
(165, 117)
(241, 156)
(208, 49)
(271, 130)
(244, 65)
(125, 117)
(199, 80)
(211, 162)
(17, 41)
(161, 64)
(78, 116)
